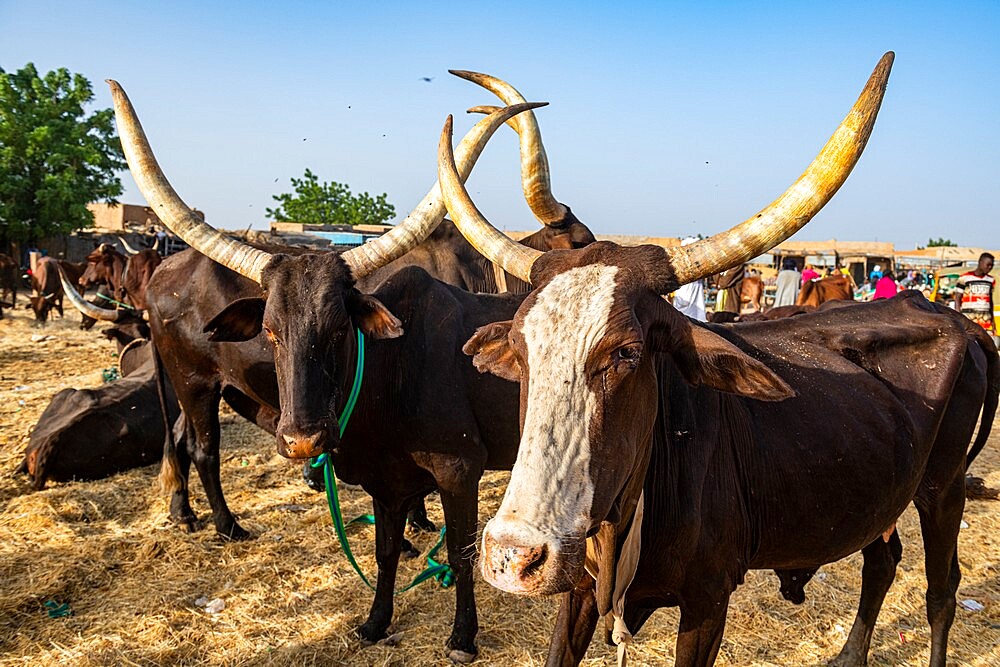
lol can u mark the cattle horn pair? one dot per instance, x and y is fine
(535, 178)
(85, 307)
(250, 261)
(758, 234)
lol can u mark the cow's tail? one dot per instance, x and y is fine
(992, 394)
(170, 478)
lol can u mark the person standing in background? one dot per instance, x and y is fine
(689, 299)
(974, 294)
(809, 274)
(886, 287)
(788, 282)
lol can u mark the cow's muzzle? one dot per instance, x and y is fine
(515, 563)
(301, 446)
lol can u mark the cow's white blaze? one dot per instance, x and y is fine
(551, 491)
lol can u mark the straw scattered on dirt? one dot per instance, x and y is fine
(132, 579)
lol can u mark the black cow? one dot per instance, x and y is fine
(693, 453)
(424, 415)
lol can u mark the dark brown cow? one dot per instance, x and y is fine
(47, 293)
(9, 280)
(136, 276)
(691, 453)
(105, 266)
(424, 413)
(817, 292)
(95, 433)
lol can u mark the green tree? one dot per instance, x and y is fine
(935, 243)
(54, 157)
(329, 203)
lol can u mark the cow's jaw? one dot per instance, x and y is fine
(535, 544)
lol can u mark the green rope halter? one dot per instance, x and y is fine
(440, 571)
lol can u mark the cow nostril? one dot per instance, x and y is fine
(531, 561)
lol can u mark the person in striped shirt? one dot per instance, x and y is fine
(974, 294)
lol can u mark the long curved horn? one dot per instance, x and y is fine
(535, 178)
(169, 207)
(249, 261)
(515, 258)
(431, 210)
(156, 243)
(127, 247)
(792, 210)
(88, 309)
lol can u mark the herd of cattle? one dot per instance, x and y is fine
(655, 460)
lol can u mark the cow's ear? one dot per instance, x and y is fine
(240, 321)
(372, 317)
(715, 362)
(491, 352)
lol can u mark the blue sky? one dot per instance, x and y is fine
(664, 120)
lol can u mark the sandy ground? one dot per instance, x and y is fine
(132, 579)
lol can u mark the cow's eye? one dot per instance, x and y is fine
(627, 355)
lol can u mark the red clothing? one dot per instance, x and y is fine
(976, 295)
(808, 275)
(886, 288)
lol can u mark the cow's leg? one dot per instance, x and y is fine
(703, 620)
(575, 625)
(201, 405)
(939, 525)
(175, 476)
(459, 499)
(389, 526)
(881, 559)
(417, 517)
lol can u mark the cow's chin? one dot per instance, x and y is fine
(558, 572)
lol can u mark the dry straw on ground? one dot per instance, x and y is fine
(291, 598)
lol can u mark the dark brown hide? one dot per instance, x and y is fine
(136, 275)
(734, 483)
(94, 433)
(424, 412)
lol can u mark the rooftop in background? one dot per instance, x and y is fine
(126, 217)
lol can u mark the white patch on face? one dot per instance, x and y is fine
(550, 491)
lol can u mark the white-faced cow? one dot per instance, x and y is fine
(667, 458)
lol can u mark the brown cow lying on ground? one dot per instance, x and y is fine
(95, 433)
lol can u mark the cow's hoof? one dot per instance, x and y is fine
(188, 523)
(422, 524)
(313, 477)
(408, 551)
(847, 659)
(461, 657)
(461, 650)
(370, 633)
(391, 640)
(236, 533)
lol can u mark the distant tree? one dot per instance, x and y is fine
(935, 243)
(54, 157)
(329, 203)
